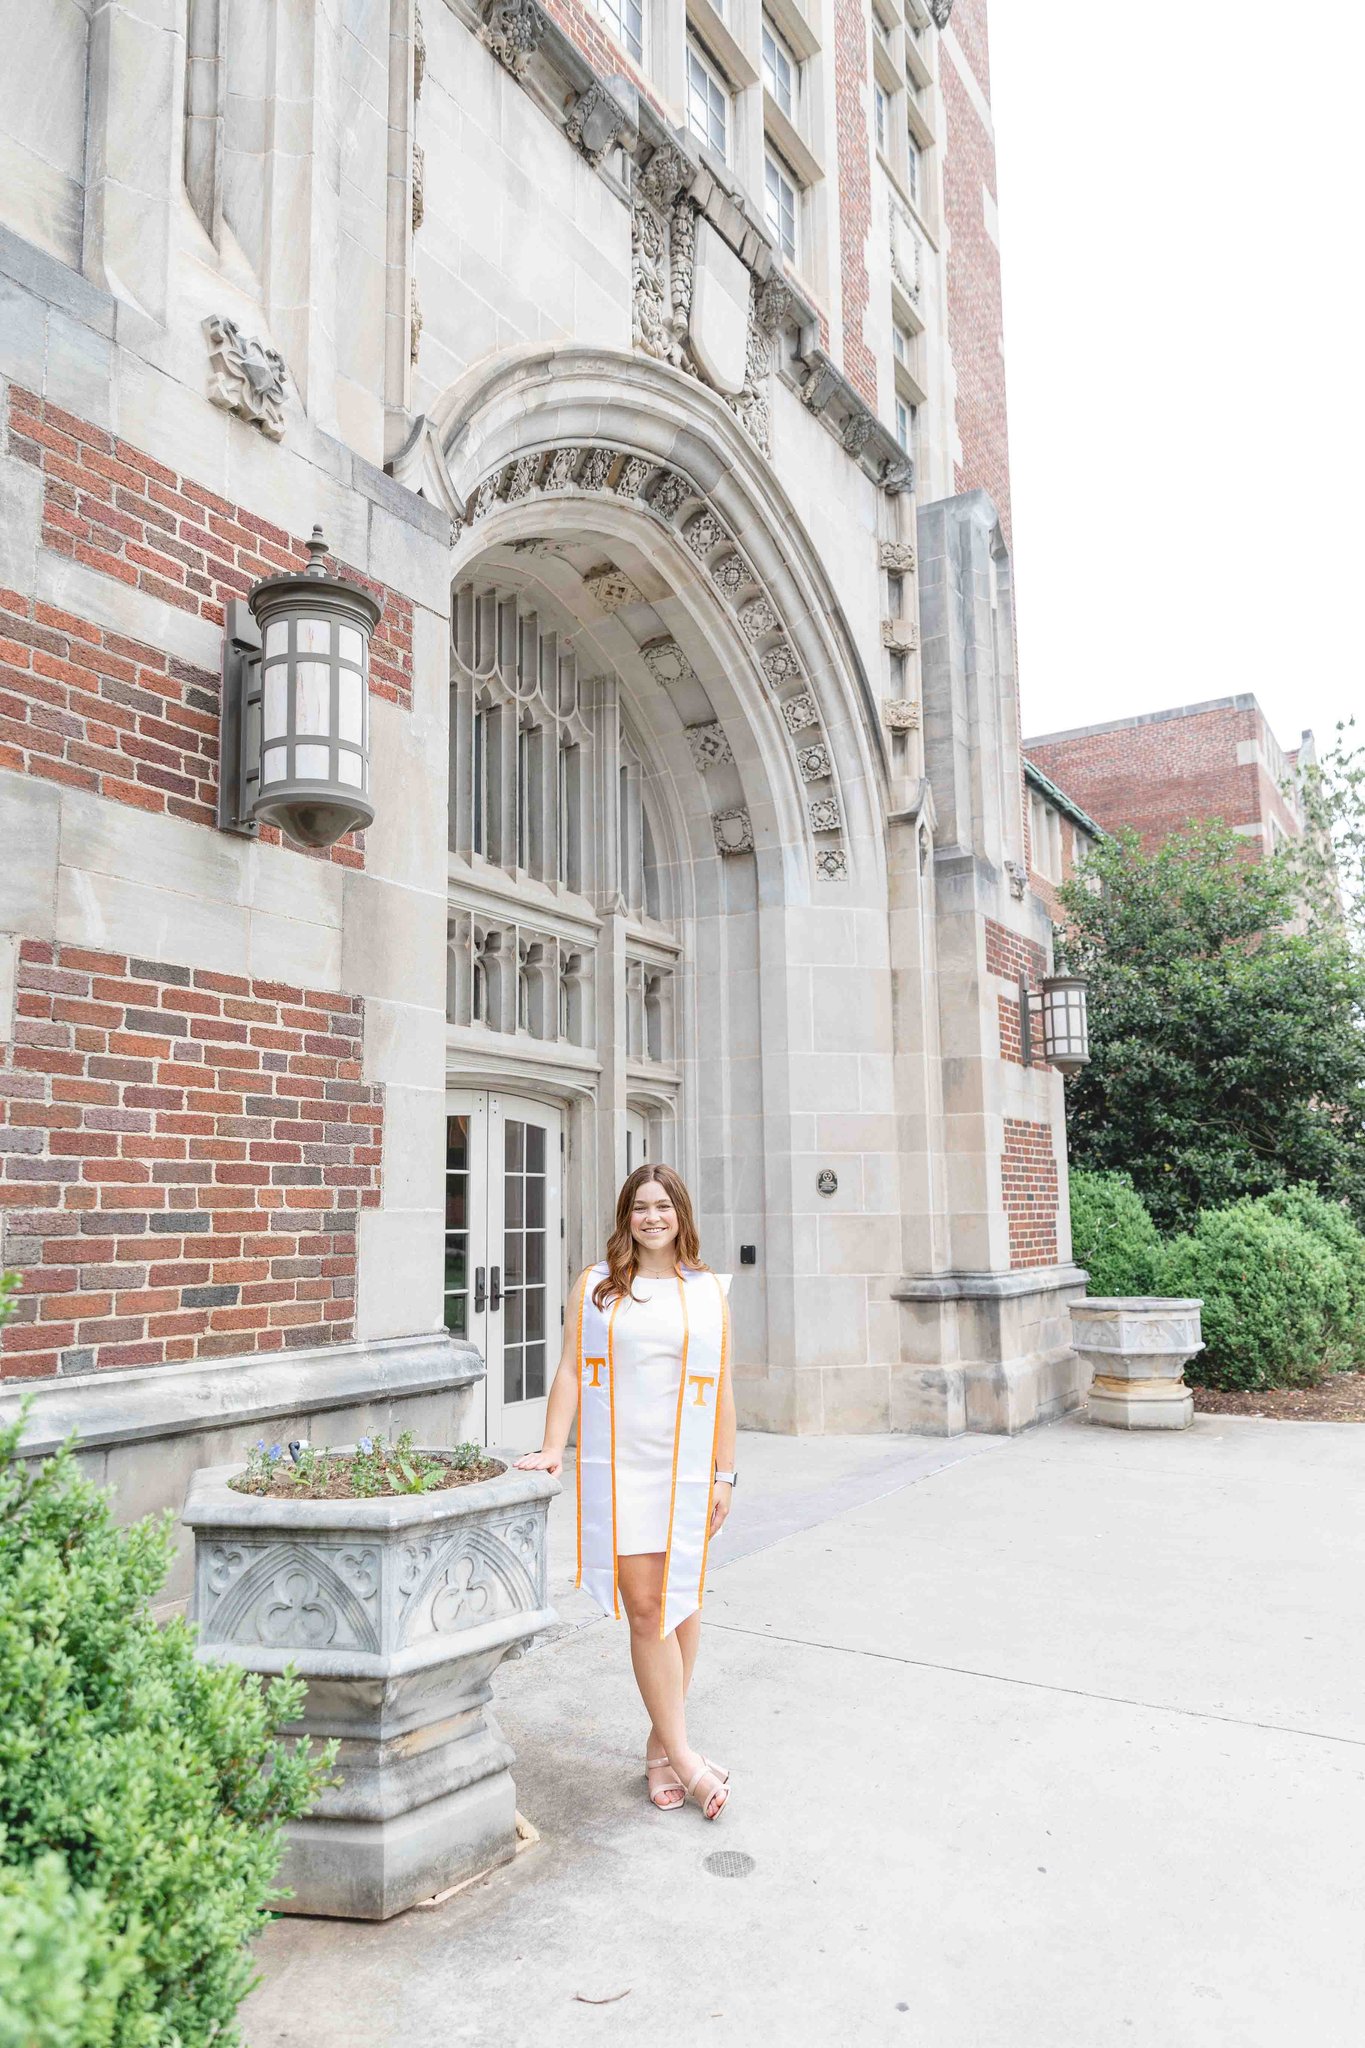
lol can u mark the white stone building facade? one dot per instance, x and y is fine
(700, 832)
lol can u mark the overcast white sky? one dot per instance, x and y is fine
(1184, 277)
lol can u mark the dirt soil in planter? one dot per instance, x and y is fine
(1339, 1398)
(338, 1486)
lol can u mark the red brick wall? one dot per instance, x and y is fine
(853, 120)
(1031, 1192)
(975, 316)
(1009, 954)
(585, 28)
(184, 1157)
(1159, 775)
(110, 506)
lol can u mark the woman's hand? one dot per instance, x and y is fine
(541, 1461)
(720, 1503)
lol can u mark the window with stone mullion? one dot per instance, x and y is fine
(626, 21)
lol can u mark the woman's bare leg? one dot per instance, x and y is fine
(658, 1664)
(689, 1642)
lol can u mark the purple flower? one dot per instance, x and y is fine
(275, 1451)
(366, 1445)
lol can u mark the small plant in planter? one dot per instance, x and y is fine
(373, 1469)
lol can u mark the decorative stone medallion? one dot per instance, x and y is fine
(813, 762)
(825, 815)
(611, 587)
(799, 713)
(734, 833)
(710, 746)
(247, 378)
(667, 663)
(901, 714)
(900, 635)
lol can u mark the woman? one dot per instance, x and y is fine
(647, 1343)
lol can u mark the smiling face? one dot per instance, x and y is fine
(653, 1219)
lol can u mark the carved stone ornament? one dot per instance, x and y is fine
(731, 574)
(896, 474)
(247, 378)
(1018, 879)
(419, 54)
(825, 814)
(611, 587)
(667, 663)
(813, 762)
(664, 176)
(939, 10)
(710, 747)
(898, 556)
(513, 30)
(900, 714)
(414, 324)
(734, 832)
(832, 863)
(757, 617)
(819, 387)
(669, 494)
(419, 204)
(597, 122)
(596, 469)
(559, 474)
(900, 635)
(780, 665)
(858, 432)
(634, 470)
(704, 533)
(799, 713)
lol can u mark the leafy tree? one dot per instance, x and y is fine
(1228, 1051)
(1329, 861)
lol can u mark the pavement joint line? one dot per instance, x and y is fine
(1113, 1699)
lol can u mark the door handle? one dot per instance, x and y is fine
(480, 1293)
(494, 1288)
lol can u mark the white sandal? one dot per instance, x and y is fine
(722, 1791)
(658, 1763)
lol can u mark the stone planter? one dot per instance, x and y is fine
(1137, 1346)
(396, 1612)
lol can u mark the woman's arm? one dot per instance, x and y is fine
(563, 1402)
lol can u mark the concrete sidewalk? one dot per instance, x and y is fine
(1049, 1743)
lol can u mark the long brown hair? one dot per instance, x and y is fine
(623, 1254)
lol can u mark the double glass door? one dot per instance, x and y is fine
(504, 1252)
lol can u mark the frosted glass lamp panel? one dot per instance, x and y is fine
(274, 764)
(312, 764)
(312, 696)
(276, 638)
(314, 636)
(275, 702)
(351, 645)
(350, 769)
(350, 705)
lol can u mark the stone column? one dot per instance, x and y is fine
(133, 161)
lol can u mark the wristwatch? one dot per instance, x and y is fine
(728, 1477)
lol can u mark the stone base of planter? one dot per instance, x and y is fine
(1140, 1404)
(372, 1869)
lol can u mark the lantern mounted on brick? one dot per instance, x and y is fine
(295, 727)
(1061, 1020)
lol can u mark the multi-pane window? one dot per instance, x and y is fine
(708, 102)
(881, 28)
(912, 169)
(524, 1261)
(779, 205)
(457, 1226)
(905, 425)
(902, 343)
(625, 19)
(781, 69)
(881, 113)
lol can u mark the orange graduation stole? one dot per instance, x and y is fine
(705, 1359)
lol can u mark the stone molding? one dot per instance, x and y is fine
(672, 497)
(246, 378)
(986, 1286)
(137, 1404)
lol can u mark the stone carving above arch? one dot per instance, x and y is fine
(710, 746)
(734, 832)
(682, 506)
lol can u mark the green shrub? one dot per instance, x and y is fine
(141, 1793)
(1275, 1298)
(1112, 1234)
(1333, 1225)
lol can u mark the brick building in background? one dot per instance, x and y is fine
(645, 364)
(1160, 771)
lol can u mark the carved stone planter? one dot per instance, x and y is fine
(397, 1612)
(1138, 1346)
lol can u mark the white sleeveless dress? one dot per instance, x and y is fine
(647, 1340)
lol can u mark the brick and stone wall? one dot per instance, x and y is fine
(1031, 1191)
(975, 314)
(1157, 774)
(183, 1158)
(852, 119)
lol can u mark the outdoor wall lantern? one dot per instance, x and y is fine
(294, 735)
(1062, 1019)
